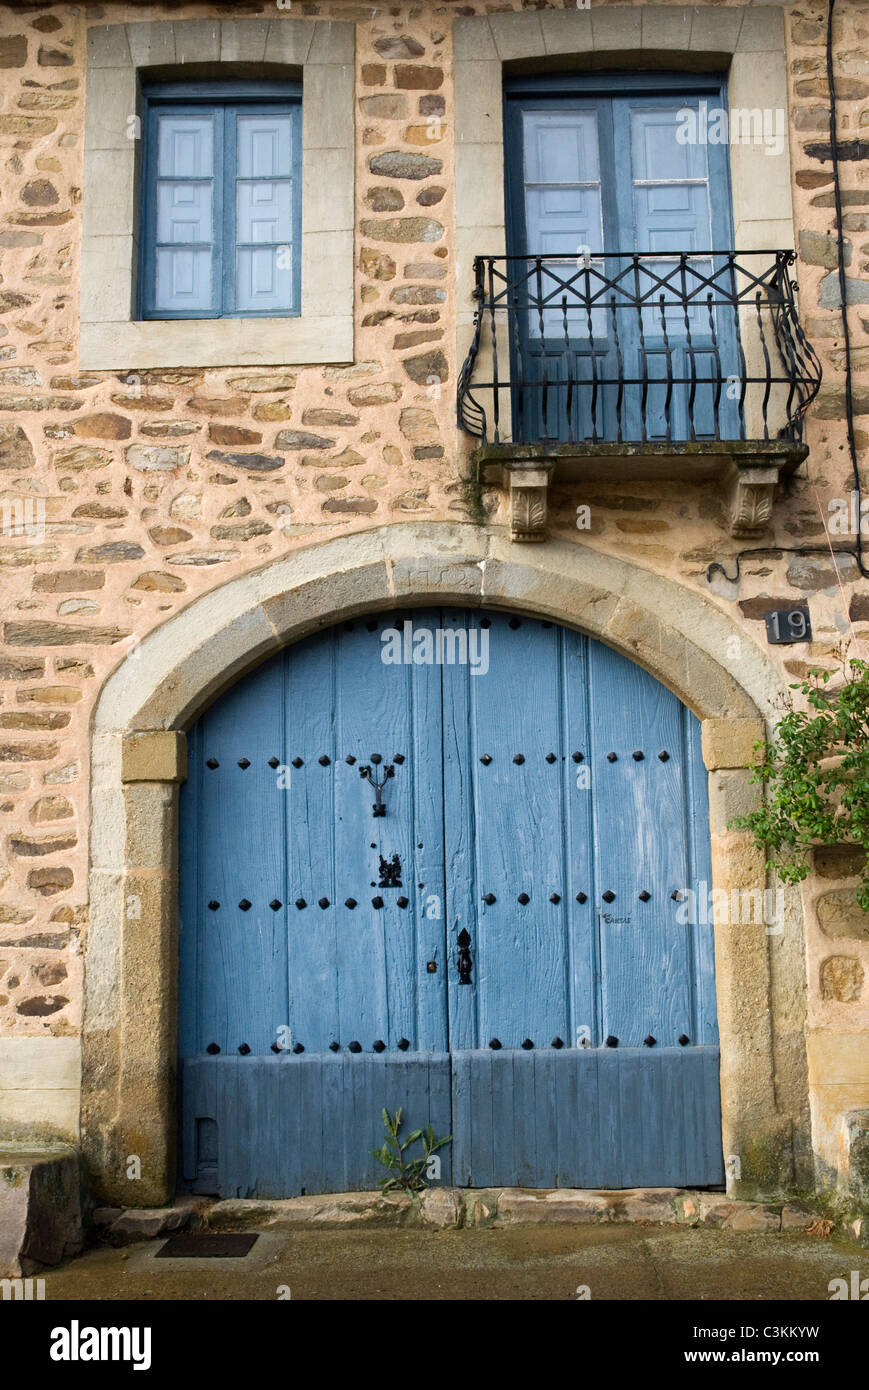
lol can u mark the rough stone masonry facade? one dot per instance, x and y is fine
(151, 487)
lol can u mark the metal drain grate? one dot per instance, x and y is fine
(207, 1245)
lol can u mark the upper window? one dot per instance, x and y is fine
(623, 217)
(221, 205)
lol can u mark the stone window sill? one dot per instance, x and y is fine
(256, 342)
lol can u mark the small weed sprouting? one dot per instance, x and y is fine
(405, 1173)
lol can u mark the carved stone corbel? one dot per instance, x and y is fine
(752, 490)
(529, 501)
(746, 472)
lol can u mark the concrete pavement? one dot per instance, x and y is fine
(621, 1262)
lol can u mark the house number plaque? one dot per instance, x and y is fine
(788, 625)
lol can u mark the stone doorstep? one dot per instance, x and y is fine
(124, 1225)
(450, 1207)
(41, 1216)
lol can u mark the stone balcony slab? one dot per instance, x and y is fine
(748, 472)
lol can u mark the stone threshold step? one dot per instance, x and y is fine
(441, 1208)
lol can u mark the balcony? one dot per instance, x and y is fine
(688, 367)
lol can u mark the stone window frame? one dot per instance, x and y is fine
(322, 54)
(745, 42)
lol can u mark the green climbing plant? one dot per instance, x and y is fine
(815, 771)
(406, 1173)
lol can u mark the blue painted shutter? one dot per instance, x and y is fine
(185, 213)
(563, 200)
(670, 180)
(221, 227)
(265, 192)
(666, 205)
(564, 219)
(611, 175)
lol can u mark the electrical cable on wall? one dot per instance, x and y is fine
(843, 285)
(855, 551)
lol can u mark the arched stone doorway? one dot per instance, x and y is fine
(139, 759)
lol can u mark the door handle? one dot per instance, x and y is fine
(464, 962)
(379, 808)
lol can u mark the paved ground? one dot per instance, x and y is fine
(613, 1262)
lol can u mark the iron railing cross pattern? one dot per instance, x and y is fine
(636, 348)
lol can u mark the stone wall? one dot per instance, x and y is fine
(158, 485)
(147, 489)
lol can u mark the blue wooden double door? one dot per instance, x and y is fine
(440, 860)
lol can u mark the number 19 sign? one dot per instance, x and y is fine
(788, 625)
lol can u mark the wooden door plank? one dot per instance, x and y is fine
(502, 1142)
(309, 704)
(610, 1147)
(588, 1158)
(545, 1062)
(424, 879)
(655, 1168)
(711, 1155)
(635, 1099)
(525, 1120)
(514, 809)
(243, 951)
(640, 847)
(333, 1103)
(461, 887)
(705, 1020)
(439, 1091)
(462, 1117)
(373, 715)
(583, 1023)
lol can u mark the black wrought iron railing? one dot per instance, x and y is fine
(637, 348)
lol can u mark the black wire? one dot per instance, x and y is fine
(716, 566)
(856, 551)
(843, 286)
